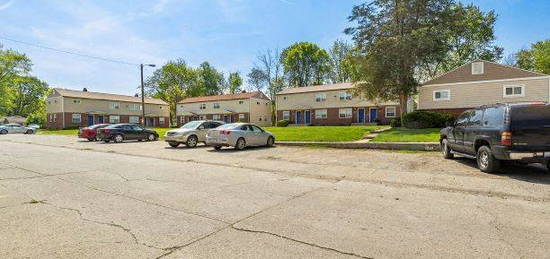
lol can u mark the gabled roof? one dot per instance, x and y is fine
(492, 71)
(317, 88)
(104, 96)
(225, 97)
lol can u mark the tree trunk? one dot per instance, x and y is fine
(403, 103)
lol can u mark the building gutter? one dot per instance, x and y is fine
(63, 111)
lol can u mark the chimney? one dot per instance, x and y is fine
(85, 89)
(136, 95)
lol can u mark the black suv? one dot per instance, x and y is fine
(490, 134)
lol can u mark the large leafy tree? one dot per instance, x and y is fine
(235, 82)
(211, 81)
(305, 64)
(13, 65)
(468, 35)
(341, 62)
(535, 59)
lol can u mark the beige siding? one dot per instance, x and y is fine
(54, 104)
(308, 101)
(104, 107)
(473, 94)
(260, 112)
(226, 107)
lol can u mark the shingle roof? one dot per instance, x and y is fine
(317, 88)
(106, 96)
(224, 97)
(492, 71)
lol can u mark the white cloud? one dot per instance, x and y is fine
(6, 5)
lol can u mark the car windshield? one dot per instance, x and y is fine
(191, 125)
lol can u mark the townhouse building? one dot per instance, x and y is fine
(253, 107)
(331, 104)
(72, 108)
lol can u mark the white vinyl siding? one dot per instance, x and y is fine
(134, 119)
(77, 118)
(321, 114)
(391, 112)
(442, 95)
(114, 119)
(511, 91)
(345, 113)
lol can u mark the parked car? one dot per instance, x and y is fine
(34, 126)
(239, 135)
(501, 132)
(190, 133)
(124, 131)
(13, 128)
(90, 133)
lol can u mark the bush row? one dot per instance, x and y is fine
(426, 119)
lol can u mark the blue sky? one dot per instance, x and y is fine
(227, 33)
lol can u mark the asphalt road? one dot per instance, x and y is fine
(61, 197)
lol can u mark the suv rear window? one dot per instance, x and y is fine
(493, 117)
(530, 116)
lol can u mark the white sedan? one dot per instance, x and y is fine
(239, 135)
(13, 128)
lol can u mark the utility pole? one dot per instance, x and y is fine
(143, 93)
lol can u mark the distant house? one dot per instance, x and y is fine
(252, 107)
(331, 104)
(13, 119)
(480, 83)
(71, 108)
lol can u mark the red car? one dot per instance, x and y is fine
(90, 133)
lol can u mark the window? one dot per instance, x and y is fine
(256, 128)
(216, 105)
(134, 107)
(241, 117)
(391, 112)
(216, 117)
(134, 119)
(284, 98)
(442, 95)
(345, 113)
(115, 105)
(241, 102)
(286, 115)
(114, 119)
(161, 120)
(203, 106)
(511, 91)
(321, 97)
(77, 118)
(475, 119)
(493, 117)
(464, 118)
(77, 101)
(320, 114)
(345, 96)
(477, 68)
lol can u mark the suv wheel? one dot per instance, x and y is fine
(192, 141)
(445, 149)
(486, 161)
(174, 144)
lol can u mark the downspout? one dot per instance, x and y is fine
(63, 111)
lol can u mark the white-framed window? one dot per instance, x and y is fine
(134, 119)
(345, 96)
(114, 105)
(203, 106)
(442, 95)
(241, 102)
(478, 68)
(54, 117)
(114, 119)
(216, 117)
(134, 107)
(321, 97)
(241, 117)
(77, 101)
(161, 120)
(286, 115)
(391, 112)
(321, 114)
(77, 118)
(284, 97)
(511, 91)
(345, 113)
(216, 105)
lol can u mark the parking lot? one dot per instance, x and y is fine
(64, 197)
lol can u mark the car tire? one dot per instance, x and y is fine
(91, 139)
(174, 144)
(29, 132)
(151, 137)
(548, 166)
(106, 141)
(192, 141)
(446, 150)
(118, 138)
(217, 147)
(241, 144)
(486, 162)
(270, 141)
(3, 132)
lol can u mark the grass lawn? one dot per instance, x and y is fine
(74, 132)
(408, 135)
(321, 133)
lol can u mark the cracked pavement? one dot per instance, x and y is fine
(64, 198)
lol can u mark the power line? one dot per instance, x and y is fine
(71, 52)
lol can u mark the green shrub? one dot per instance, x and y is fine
(425, 119)
(282, 123)
(395, 123)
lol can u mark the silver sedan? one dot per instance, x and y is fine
(16, 128)
(239, 135)
(191, 133)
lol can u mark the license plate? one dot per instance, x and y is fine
(547, 154)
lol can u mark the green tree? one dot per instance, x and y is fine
(235, 82)
(524, 60)
(535, 59)
(28, 95)
(211, 81)
(305, 64)
(341, 63)
(12, 66)
(468, 35)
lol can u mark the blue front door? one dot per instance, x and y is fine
(308, 117)
(298, 117)
(373, 115)
(100, 119)
(361, 116)
(90, 120)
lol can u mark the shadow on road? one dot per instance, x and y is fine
(533, 173)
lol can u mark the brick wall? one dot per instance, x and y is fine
(333, 116)
(58, 122)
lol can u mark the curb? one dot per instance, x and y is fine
(415, 146)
